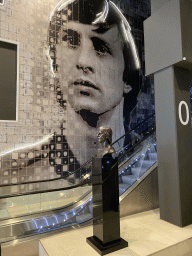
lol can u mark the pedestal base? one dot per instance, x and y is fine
(104, 249)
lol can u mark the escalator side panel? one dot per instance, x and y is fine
(144, 197)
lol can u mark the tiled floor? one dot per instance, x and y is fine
(145, 233)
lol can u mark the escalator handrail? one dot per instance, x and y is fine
(89, 161)
(127, 151)
(89, 181)
(133, 129)
(48, 190)
(140, 141)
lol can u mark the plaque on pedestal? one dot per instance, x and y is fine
(106, 221)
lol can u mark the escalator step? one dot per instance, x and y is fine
(135, 170)
(129, 179)
(147, 163)
(143, 170)
(123, 187)
(153, 156)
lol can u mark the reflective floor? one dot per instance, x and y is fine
(145, 232)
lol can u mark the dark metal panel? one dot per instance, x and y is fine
(148, 192)
(174, 142)
(8, 82)
(162, 34)
(182, 81)
(167, 145)
(168, 36)
(157, 4)
(130, 206)
(143, 198)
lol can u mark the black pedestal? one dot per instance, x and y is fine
(103, 249)
(106, 220)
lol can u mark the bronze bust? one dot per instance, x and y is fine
(104, 136)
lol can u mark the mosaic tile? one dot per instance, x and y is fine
(43, 107)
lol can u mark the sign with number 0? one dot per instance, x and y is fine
(187, 113)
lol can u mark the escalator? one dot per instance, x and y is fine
(31, 210)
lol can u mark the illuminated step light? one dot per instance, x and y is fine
(2, 2)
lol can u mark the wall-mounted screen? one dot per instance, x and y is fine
(8, 81)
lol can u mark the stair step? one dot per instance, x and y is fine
(129, 179)
(143, 170)
(147, 163)
(135, 170)
(153, 156)
(123, 187)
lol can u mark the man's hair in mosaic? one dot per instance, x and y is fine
(85, 12)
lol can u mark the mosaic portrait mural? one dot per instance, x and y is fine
(79, 69)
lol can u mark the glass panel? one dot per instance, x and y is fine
(29, 204)
(135, 135)
(83, 174)
(78, 177)
(134, 161)
(77, 215)
(134, 166)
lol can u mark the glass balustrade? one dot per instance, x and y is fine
(67, 201)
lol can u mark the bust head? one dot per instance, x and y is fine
(104, 135)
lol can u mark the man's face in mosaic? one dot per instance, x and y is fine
(91, 67)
